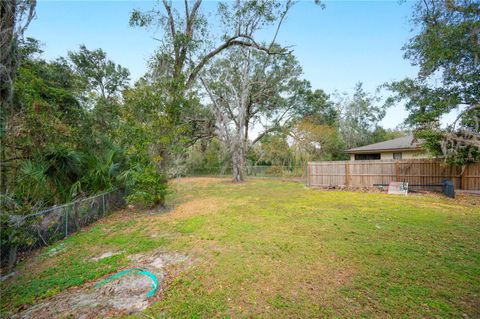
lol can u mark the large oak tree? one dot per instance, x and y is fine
(250, 88)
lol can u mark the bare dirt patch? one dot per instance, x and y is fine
(201, 206)
(121, 296)
(159, 260)
(106, 255)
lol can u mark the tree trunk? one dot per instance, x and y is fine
(7, 23)
(238, 164)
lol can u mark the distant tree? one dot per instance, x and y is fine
(103, 77)
(274, 150)
(317, 107)
(359, 116)
(314, 133)
(381, 134)
(314, 141)
(181, 56)
(207, 157)
(104, 82)
(143, 131)
(447, 51)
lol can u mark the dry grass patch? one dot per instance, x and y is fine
(195, 207)
(199, 181)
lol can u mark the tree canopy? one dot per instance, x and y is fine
(446, 49)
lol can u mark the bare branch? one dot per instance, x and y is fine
(288, 5)
(171, 20)
(261, 135)
(186, 11)
(233, 41)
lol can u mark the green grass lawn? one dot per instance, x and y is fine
(273, 249)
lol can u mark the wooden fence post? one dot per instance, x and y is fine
(397, 171)
(462, 178)
(309, 183)
(347, 177)
(311, 177)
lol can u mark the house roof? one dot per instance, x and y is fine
(397, 144)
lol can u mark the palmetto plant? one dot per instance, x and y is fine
(33, 182)
(48, 178)
(64, 169)
(64, 175)
(101, 172)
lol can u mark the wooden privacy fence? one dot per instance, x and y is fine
(413, 171)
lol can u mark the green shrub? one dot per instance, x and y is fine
(274, 171)
(146, 186)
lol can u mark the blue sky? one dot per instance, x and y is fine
(348, 41)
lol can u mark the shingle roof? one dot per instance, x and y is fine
(401, 143)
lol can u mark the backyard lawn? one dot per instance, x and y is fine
(274, 249)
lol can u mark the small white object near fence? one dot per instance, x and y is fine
(398, 188)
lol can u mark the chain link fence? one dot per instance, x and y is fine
(252, 170)
(49, 225)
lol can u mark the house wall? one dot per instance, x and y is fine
(405, 155)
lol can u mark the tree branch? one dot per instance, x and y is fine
(288, 5)
(233, 41)
(261, 135)
(171, 22)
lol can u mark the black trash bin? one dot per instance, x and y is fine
(448, 188)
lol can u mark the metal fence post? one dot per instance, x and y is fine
(103, 203)
(66, 222)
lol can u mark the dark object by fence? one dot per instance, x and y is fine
(448, 188)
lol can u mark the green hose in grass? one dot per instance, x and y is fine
(139, 271)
